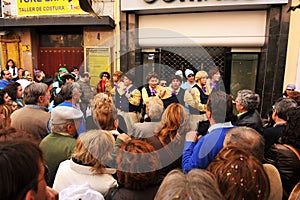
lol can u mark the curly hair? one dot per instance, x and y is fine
(94, 148)
(240, 174)
(104, 73)
(151, 75)
(173, 124)
(248, 99)
(291, 134)
(118, 74)
(137, 162)
(105, 114)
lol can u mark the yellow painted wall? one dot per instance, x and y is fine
(293, 50)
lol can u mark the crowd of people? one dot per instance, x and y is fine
(176, 138)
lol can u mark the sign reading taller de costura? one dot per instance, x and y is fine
(48, 7)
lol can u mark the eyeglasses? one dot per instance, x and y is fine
(191, 75)
(7, 74)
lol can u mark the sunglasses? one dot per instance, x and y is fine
(191, 75)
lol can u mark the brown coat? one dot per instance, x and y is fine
(31, 120)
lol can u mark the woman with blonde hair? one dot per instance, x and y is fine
(196, 184)
(169, 136)
(88, 163)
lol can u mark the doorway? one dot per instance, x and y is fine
(60, 50)
(241, 71)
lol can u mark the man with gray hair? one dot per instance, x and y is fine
(249, 139)
(70, 95)
(146, 129)
(246, 104)
(59, 145)
(34, 116)
(280, 108)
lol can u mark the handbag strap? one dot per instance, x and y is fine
(292, 149)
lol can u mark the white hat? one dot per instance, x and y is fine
(178, 72)
(188, 72)
(63, 114)
(291, 87)
(83, 192)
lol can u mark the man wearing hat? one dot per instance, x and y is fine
(190, 77)
(128, 100)
(289, 89)
(196, 98)
(177, 93)
(61, 71)
(60, 143)
(180, 73)
(68, 78)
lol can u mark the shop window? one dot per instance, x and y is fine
(243, 71)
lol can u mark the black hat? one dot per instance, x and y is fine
(66, 76)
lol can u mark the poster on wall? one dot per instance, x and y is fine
(8, 8)
(48, 7)
(97, 60)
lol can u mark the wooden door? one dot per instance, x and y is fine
(51, 59)
(11, 49)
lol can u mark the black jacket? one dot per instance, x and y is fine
(272, 134)
(250, 119)
(288, 165)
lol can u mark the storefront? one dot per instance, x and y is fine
(247, 40)
(48, 35)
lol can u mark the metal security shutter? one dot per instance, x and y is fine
(195, 58)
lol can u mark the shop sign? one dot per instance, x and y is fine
(48, 7)
(139, 5)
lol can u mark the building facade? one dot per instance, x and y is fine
(247, 40)
(48, 35)
(292, 70)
